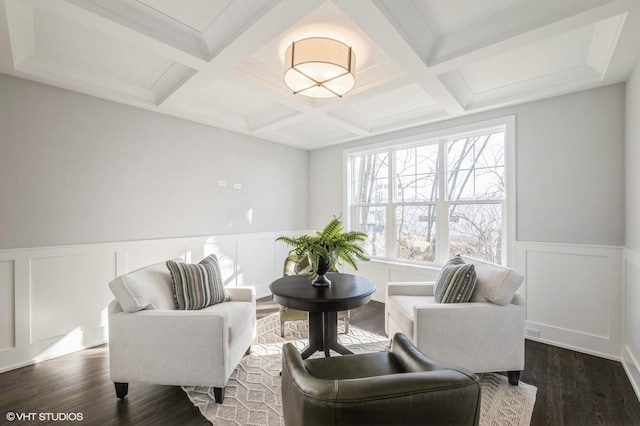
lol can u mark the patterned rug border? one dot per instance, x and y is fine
(253, 391)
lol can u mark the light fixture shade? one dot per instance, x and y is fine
(319, 67)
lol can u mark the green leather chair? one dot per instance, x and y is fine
(399, 387)
(295, 265)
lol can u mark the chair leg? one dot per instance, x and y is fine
(514, 377)
(218, 393)
(281, 328)
(346, 326)
(122, 389)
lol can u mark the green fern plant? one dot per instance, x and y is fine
(329, 247)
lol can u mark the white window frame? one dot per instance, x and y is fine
(506, 124)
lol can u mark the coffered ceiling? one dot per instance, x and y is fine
(220, 62)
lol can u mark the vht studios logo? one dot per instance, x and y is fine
(45, 417)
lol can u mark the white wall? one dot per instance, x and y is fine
(570, 210)
(91, 189)
(76, 169)
(632, 159)
(631, 266)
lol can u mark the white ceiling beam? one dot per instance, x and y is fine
(463, 48)
(306, 106)
(409, 21)
(373, 22)
(280, 17)
(94, 20)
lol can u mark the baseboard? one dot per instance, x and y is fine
(575, 348)
(16, 366)
(38, 359)
(631, 367)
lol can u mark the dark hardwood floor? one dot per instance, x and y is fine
(573, 388)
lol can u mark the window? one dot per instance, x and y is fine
(427, 199)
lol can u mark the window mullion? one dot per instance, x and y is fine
(442, 208)
(391, 210)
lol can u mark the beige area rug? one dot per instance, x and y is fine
(253, 391)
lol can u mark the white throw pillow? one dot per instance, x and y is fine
(146, 288)
(494, 283)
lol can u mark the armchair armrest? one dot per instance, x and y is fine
(294, 372)
(412, 360)
(416, 288)
(149, 346)
(447, 317)
(475, 327)
(370, 388)
(171, 327)
(408, 385)
(241, 294)
(518, 299)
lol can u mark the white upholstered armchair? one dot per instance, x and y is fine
(483, 335)
(151, 341)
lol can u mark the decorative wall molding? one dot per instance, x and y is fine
(631, 317)
(53, 300)
(7, 305)
(573, 296)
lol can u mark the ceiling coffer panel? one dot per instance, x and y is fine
(222, 62)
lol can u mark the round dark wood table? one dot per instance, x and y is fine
(323, 304)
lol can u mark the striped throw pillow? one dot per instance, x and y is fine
(456, 282)
(196, 286)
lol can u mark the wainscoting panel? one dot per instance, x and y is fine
(147, 253)
(68, 293)
(256, 264)
(631, 325)
(375, 271)
(282, 252)
(53, 300)
(250, 259)
(557, 281)
(573, 296)
(7, 306)
(226, 252)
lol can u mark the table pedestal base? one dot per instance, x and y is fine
(323, 335)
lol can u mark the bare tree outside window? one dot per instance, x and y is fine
(476, 230)
(371, 183)
(476, 174)
(402, 186)
(416, 173)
